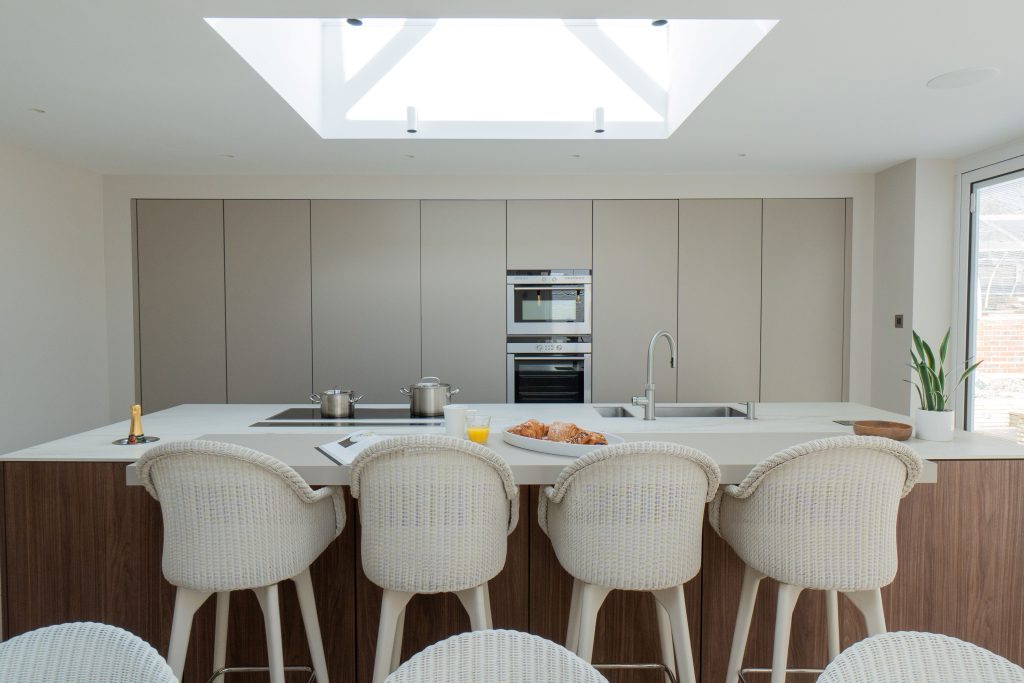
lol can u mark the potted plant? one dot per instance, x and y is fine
(933, 421)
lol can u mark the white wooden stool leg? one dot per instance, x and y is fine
(673, 601)
(591, 599)
(269, 603)
(220, 631)
(487, 603)
(748, 596)
(832, 617)
(396, 649)
(474, 600)
(311, 623)
(392, 605)
(572, 635)
(869, 603)
(668, 650)
(186, 602)
(788, 595)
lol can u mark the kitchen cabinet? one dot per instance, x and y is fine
(463, 296)
(180, 248)
(803, 299)
(267, 300)
(550, 233)
(635, 290)
(366, 303)
(719, 300)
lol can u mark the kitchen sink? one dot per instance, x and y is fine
(613, 411)
(697, 411)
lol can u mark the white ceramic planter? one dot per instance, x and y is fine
(934, 425)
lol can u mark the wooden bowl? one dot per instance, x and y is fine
(897, 431)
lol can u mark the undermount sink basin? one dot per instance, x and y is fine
(697, 411)
(613, 411)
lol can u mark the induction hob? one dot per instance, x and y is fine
(361, 416)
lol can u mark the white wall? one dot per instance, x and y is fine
(893, 285)
(53, 318)
(118, 191)
(914, 248)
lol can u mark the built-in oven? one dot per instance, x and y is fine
(548, 370)
(547, 302)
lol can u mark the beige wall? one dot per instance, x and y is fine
(119, 190)
(53, 319)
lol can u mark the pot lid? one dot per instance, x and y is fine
(427, 383)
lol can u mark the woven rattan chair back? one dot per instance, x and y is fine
(912, 657)
(493, 657)
(81, 652)
(435, 512)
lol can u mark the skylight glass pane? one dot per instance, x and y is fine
(501, 70)
(359, 44)
(645, 44)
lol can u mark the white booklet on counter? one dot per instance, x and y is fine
(343, 452)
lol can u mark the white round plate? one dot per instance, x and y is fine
(574, 450)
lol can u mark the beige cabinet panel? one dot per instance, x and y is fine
(463, 292)
(267, 295)
(635, 291)
(802, 330)
(719, 300)
(181, 302)
(550, 233)
(366, 307)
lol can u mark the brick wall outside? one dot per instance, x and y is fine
(1000, 343)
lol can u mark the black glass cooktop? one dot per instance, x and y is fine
(360, 413)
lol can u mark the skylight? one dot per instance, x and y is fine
(492, 78)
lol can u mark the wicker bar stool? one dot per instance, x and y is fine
(237, 519)
(821, 516)
(912, 657)
(82, 652)
(630, 517)
(435, 513)
(490, 656)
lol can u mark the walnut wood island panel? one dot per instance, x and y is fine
(78, 544)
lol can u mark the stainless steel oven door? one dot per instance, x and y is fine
(544, 309)
(548, 378)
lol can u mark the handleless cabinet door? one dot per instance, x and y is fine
(267, 295)
(802, 331)
(719, 300)
(181, 302)
(550, 233)
(635, 287)
(464, 296)
(366, 305)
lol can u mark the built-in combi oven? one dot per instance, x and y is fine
(548, 302)
(548, 369)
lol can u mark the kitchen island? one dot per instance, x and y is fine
(79, 541)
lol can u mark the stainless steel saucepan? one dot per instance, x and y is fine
(429, 396)
(335, 402)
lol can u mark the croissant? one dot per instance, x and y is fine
(562, 431)
(532, 429)
(588, 438)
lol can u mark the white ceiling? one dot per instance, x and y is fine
(149, 87)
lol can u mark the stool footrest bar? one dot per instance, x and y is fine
(659, 667)
(256, 669)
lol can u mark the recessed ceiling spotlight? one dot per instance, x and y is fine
(37, 110)
(659, 22)
(410, 156)
(228, 156)
(575, 156)
(352, 21)
(742, 154)
(963, 78)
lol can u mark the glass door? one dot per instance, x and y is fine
(995, 315)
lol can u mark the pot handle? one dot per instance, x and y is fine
(315, 398)
(453, 391)
(356, 399)
(404, 391)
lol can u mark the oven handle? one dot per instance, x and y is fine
(553, 356)
(521, 288)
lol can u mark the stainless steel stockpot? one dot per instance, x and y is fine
(335, 402)
(429, 396)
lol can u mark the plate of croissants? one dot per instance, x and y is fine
(557, 438)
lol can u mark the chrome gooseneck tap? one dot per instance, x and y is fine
(647, 400)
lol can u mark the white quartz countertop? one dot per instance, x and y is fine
(736, 444)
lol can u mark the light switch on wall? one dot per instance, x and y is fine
(899, 321)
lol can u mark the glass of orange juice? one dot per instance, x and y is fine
(478, 427)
